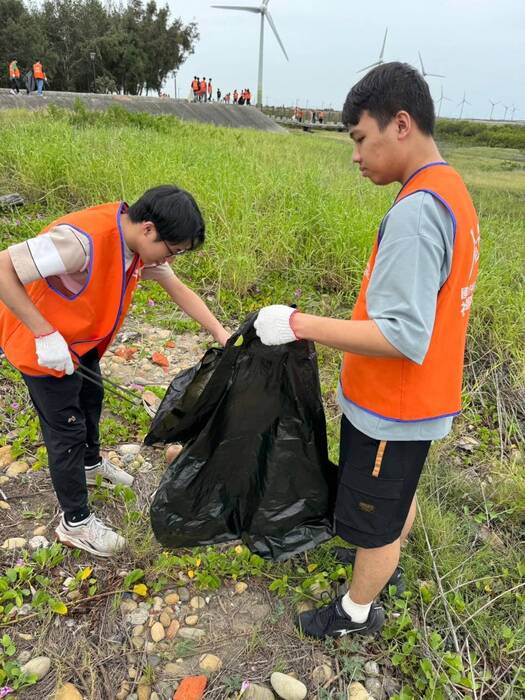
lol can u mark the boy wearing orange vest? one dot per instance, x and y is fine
(14, 75)
(203, 90)
(401, 376)
(63, 297)
(39, 76)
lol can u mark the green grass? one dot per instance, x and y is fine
(289, 220)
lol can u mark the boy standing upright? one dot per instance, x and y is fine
(400, 383)
(63, 297)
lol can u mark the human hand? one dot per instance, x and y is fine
(273, 324)
(222, 336)
(52, 352)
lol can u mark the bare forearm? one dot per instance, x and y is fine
(359, 337)
(14, 296)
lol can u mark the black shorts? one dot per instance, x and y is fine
(377, 481)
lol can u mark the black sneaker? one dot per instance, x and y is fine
(332, 621)
(346, 555)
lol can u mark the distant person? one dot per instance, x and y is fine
(402, 368)
(227, 98)
(314, 117)
(40, 77)
(218, 95)
(14, 77)
(240, 99)
(203, 90)
(321, 117)
(195, 86)
(248, 96)
(235, 96)
(210, 90)
(63, 296)
(29, 80)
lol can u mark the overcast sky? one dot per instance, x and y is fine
(479, 45)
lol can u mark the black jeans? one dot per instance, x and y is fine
(69, 410)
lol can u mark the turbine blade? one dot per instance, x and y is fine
(435, 75)
(383, 47)
(274, 29)
(237, 7)
(372, 65)
(265, 3)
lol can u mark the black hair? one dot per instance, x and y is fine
(388, 89)
(174, 212)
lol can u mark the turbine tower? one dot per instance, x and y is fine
(462, 104)
(492, 107)
(513, 109)
(380, 60)
(263, 11)
(424, 73)
(440, 101)
(505, 114)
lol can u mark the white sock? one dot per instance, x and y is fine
(358, 613)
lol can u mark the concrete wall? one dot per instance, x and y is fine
(237, 117)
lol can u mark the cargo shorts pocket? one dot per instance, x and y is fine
(367, 504)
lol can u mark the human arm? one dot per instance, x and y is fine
(192, 304)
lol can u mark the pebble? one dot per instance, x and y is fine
(144, 691)
(172, 629)
(157, 632)
(39, 531)
(164, 619)
(38, 542)
(3, 480)
(158, 603)
(40, 665)
(5, 456)
(191, 633)
(138, 617)
(173, 669)
(68, 692)
(209, 663)
(123, 691)
(23, 657)
(138, 631)
(154, 660)
(154, 696)
(137, 642)
(17, 468)
(257, 692)
(197, 602)
(375, 688)
(14, 543)
(128, 606)
(171, 598)
(129, 449)
(287, 687)
(240, 587)
(184, 594)
(191, 619)
(357, 691)
(4, 505)
(25, 637)
(321, 674)
(132, 672)
(372, 669)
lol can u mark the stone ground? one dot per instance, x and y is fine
(125, 647)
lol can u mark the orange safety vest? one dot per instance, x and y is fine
(92, 317)
(210, 89)
(14, 71)
(203, 86)
(248, 95)
(38, 71)
(397, 388)
(235, 95)
(195, 85)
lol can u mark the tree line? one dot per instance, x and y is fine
(87, 45)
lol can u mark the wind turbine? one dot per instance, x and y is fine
(380, 60)
(462, 104)
(425, 74)
(492, 108)
(263, 11)
(513, 109)
(505, 114)
(440, 101)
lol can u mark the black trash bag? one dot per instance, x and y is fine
(256, 465)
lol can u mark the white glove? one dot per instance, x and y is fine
(52, 352)
(273, 325)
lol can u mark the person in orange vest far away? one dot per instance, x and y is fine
(40, 76)
(63, 297)
(401, 376)
(320, 117)
(195, 87)
(14, 76)
(248, 96)
(235, 96)
(210, 90)
(203, 90)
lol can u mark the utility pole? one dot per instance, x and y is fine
(93, 55)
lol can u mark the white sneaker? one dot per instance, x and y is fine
(91, 535)
(12, 92)
(111, 475)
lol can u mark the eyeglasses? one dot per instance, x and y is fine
(178, 251)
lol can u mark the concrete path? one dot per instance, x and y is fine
(237, 117)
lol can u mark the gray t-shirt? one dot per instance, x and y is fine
(412, 264)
